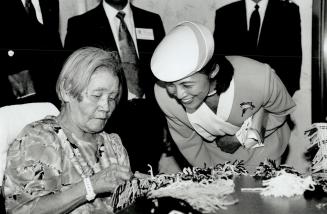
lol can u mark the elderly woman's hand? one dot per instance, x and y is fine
(108, 179)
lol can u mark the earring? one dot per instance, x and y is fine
(215, 71)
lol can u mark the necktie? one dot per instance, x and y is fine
(30, 10)
(129, 57)
(254, 26)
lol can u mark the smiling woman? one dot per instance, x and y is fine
(68, 163)
(219, 108)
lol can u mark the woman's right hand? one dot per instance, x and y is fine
(228, 143)
(109, 178)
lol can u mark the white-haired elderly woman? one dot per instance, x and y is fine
(68, 164)
(219, 108)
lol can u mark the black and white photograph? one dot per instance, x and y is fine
(163, 107)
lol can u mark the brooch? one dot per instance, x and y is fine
(245, 106)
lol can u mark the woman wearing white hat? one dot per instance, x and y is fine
(219, 108)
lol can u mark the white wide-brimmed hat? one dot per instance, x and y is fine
(185, 50)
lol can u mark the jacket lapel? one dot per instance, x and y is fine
(267, 24)
(102, 26)
(242, 13)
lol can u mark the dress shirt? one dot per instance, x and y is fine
(114, 24)
(37, 8)
(250, 5)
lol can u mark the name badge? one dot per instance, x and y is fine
(144, 33)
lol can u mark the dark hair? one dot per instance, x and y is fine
(225, 74)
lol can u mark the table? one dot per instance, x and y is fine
(254, 203)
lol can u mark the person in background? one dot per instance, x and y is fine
(270, 34)
(117, 25)
(68, 164)
(30, 51)
(221, 108)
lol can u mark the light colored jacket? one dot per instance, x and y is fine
(254, 82)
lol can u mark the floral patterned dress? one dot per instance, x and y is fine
(40, 161)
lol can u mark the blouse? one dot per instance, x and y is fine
(40, 162)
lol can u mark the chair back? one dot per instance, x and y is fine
(13, 119)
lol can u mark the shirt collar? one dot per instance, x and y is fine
(112, 12)
(249, 4)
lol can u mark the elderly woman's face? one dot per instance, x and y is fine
(97, 103)
(190, 91)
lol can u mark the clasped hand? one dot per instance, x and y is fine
(109, 178)
(228, 143)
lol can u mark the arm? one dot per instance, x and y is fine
(254, 135)
(196, 151)
(34, 173)
(272, 114)
(278, 103)
(65, 201)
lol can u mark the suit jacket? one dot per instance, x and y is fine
(253, 82)
(279, 43)
(34, 47)
(93, 29)
(139, 124)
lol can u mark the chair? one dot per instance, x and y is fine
(13, 119)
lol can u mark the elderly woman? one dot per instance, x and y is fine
(67, 164)
(219, 108)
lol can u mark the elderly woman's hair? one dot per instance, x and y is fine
(81, 65)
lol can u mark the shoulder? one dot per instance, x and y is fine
(288, 3)
(250, 71)
(160, 90)
(168, 104)
(115, 148)
(162, 96)
(38, 141)
(286, 6)
(247, 65)
(42, 131)
(147, 19)
(113, 140)
(112, 137)
(88, 16)
(46, 124)
(142, 12)
(231, 7)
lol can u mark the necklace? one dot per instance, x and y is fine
(79, 162)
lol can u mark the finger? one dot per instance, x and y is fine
(249, 143)
(124, 175)
(124, 169)
(141, 175)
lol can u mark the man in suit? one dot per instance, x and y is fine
(138, 119)
(30, 49)
(278, 41)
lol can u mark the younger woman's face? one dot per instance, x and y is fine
(190, 91)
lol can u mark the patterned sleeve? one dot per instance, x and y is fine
(33, 167)
(119, 149)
